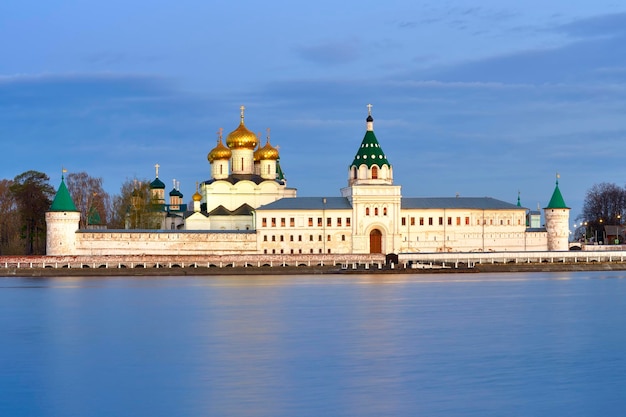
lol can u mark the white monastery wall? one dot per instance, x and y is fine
(162, 242)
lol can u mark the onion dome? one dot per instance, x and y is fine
(196, 196)
(157, 184)
(241, 138)
(220, 152)
(266, 152)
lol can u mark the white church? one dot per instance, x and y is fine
(246, 207)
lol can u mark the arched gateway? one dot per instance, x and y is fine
(376, 241)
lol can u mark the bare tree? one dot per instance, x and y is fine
(89, 197)
(605, 204)
(134, 207)
(33, 194)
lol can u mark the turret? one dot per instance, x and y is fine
(62, 221)
(557, 221)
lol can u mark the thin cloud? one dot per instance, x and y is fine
(604, 25)
(331, 53)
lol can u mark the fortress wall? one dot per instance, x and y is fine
(159, 242)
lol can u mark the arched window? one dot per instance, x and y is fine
(375, 211)
(374, 172)
(384, 211)
(367, 211)
(354, 172)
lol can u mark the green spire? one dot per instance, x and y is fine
(519, 203)
(63, 200)
(370, 153)
(557, 198)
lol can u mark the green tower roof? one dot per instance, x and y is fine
(557, 198)
(370, 153)
(63, 200)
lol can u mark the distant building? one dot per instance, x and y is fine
(246, 207)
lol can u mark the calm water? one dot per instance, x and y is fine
(426, 345)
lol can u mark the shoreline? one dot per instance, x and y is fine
(36, 272)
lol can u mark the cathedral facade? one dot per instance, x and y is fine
(246, 207)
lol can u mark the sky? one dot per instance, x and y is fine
(490, 98)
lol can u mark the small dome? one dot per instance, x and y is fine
(219, 152)
(196, 196)
(266, 152)
(176, 193)
(157, 184)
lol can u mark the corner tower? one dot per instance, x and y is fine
(375, 200)
(62, 222)
(557, 220)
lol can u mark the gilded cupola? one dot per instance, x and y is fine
(220, 151)
(266, 152)
(241, 138)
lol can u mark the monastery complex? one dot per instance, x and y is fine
(246, 207)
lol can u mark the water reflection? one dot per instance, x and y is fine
(370, 345)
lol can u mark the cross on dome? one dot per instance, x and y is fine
(219, 133)
(242, 108)
(369, 109)
(156, 167)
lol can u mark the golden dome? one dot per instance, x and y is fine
(196, 196)
(219, 152)
(241, 138)
(266, 152)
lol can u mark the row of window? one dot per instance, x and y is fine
(376, 212)
(422, 221)
(274, 222)
(281, 238)
(292, 251)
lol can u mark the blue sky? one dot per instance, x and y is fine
(479, 100)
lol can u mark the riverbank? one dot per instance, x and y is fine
(140, 271)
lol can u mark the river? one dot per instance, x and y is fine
(498, 344)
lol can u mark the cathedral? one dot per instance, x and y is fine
(246, 207)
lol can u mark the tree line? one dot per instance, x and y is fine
(25, 199)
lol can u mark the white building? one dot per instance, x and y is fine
(246, 207)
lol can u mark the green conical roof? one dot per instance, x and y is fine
(63, 200)
(557, 199)
(370, 153)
